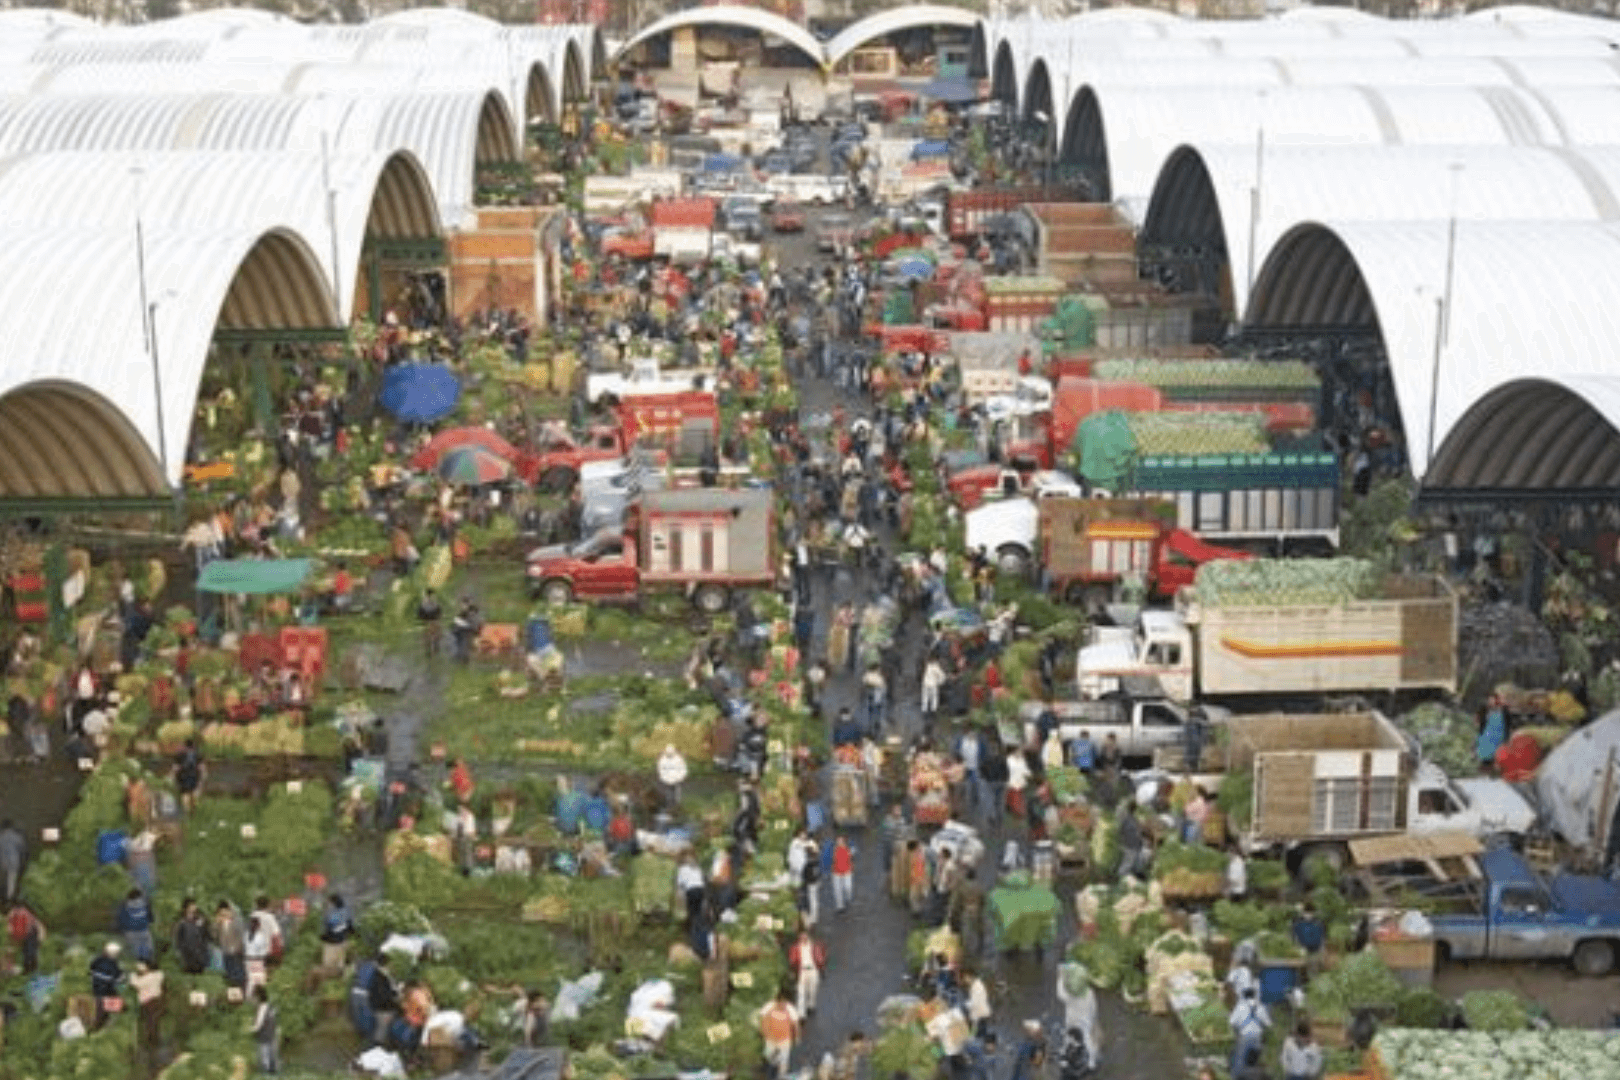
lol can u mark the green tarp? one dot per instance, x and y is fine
(1023, 915)
(254, 575)
(1107, 449)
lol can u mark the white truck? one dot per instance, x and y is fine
(612, 194)
(1404, 640)
(745, 253)
(642, 377)
(1320, 781)
(812, 189)
(1141, 727)
(1008, 529)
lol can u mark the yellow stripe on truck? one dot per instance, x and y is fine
(1253, 650)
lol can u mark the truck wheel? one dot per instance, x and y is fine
(557, 592)
(710, 599)
(557, 480)
(1331, 856)
(1012, 561)
(1594, 959)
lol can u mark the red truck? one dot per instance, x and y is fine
(704, 541)
(968, 213)
(1043, 438)
(1087, 545)
(636, 246)
(675, 425)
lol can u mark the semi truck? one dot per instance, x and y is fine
(707, 542)
(972, 213)
(1517, 914)
(1320, 782)
(1404, 639)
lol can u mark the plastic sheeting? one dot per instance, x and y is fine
(1570, 784)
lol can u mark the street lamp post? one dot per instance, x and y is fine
(148, 322)
(1258, 191)
(1442, 317)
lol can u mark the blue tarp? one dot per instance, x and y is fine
(914, 267)
(956, 89)
(419, 393)
(928, 148)
(722, 163)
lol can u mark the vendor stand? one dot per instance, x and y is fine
(928, 789)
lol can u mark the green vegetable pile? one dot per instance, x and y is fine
(1210, 374)
(1264, 582)
(1194, 434)
(1494, 1010)
(1482, 1055)
(1445, 735)
(1359, 980)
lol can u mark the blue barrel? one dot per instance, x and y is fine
(110, 846)
(537, 632)
(1277, 981)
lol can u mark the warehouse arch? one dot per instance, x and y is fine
(537, 94)
(745, 18)
(1184, 232)
(576, 81)
(1037, 97)
(1085, 142)
(1004, 77)
(1534, 435)
(109, 460)
(883, 23)
(1311, 279)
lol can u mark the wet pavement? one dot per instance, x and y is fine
(866, 944)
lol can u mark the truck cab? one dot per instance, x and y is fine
(642, 376)
(1478, 806)
(1518, 914)
(1007, 526)
(1032, 394)
(601, 565)
(1159, 646)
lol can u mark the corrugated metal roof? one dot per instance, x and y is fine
(1206, 193)
(246, 191)
(70, 314)
(905, 17)
(749, 18)
(1528, 300)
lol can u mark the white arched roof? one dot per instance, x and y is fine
(748, 18)
(910, 17)
(1138, 128)
(1528, 299)
(449, 132)
(440, 19)
(51, 280)
(1207, 193)
(1584, 115)
(386, 195)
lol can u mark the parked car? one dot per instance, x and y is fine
(787, 217)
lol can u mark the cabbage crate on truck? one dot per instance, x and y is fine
(1404, 639)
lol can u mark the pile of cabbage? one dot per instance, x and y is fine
(1413, 1054)
(1268, 582)
(1264, 374)
(1445, 734)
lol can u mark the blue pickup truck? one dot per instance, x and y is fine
(1524, 916)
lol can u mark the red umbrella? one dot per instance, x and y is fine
(469, 466)
(445, 441)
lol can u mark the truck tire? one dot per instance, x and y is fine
(1333, 856)
(1594, 959)
(557, 592)
(711, 599)
(1012, 561)
(557, 480)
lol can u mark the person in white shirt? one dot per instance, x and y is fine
(1237, 876)
(1241, 980)
(933, 678)
(256, 951)
(671, 775)
(1080, 1008)
(1250, 1020)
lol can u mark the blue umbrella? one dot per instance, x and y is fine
(419, 393)
(914, 267)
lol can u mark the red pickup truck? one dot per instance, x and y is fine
(706, 541)
(677, 425)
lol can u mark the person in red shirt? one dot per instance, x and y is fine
(807, 957)
(621, 829)
(843, 873)
(27, 934)
(461, 781)
(342, 586)
(992, 675)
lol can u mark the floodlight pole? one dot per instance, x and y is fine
(1442, 318)
(149, 325)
